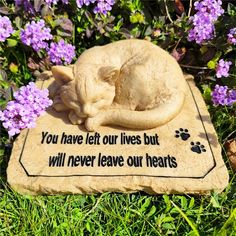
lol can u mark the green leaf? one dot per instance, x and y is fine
(54, 223)
(11, 42)
(80, 30)
(191, 204)
(3, 84)
(168, 226)
(137, 18)
(167, 202)
(211, 64)
(119, 25)
(18, 22)
(214, 201)
(64, 225)
(231, 9)
(77, 214)
(152, 211)
(88, 227)
(191, 233)
(206, 93)
(168, 219)
(145, 205)
(184, 202)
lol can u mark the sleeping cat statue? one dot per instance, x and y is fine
(130, 83)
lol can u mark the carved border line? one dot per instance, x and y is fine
(160, 176)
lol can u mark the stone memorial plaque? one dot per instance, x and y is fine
(182, 156)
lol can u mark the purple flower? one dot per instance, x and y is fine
(27, 5)
(5, 28)
(222, 69)
(30, 102)
(201, 32)
(31, 96)
(232, 36)
(224, 96)
(212, 8)
(103, 6)
(61, 52)
(80, 3)
(54, 2)
(36, 35)
(208, 12)
(16, 117)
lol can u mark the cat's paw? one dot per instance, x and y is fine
(91, 124)
(59, 107)
(74, 119)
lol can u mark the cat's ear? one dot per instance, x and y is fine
(109, 74)
(63, 74)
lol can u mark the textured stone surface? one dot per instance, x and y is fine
(184, 156)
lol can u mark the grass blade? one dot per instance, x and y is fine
(186, 218)
(231, 219)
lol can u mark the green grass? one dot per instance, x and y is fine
(122, 214)
(117, 214)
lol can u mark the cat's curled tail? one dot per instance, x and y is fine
(147, 119)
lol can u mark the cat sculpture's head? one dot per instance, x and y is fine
(86, 89)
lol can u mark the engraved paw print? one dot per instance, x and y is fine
(182, 133)
(198, 147)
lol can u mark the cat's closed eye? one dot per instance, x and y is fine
(97, 102)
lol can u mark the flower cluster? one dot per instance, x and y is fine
(36, 35)
(30, 102)
(5, 28)
(61, 52)
(224, 96)
(222, 69)
(203, 21)
(232, 36)
(103, 6)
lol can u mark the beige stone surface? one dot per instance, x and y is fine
(184, 157)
